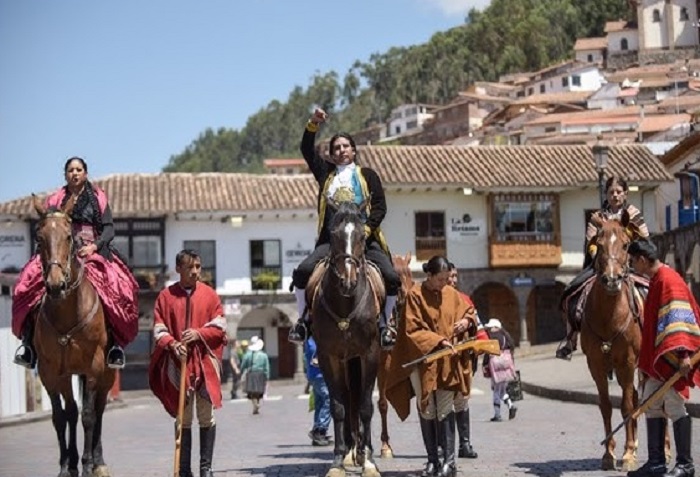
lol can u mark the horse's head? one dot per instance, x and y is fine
(612, 259)
(56, 246)
(402, 268)
(347, 258)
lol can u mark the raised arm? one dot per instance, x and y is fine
(318, 167)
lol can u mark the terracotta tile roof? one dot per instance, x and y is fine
(662, 122)
(617, 26)
(482, 168)
(598, 43)
(284, 162)
(556, 98)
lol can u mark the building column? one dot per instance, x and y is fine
(522, 294)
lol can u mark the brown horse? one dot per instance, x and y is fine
(71, 338)
(344, 321)
(401, 265)
(610, 333)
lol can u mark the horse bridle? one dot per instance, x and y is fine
(334, 258)
(66, 268)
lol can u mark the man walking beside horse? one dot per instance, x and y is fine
(670, 335)
(190, 334)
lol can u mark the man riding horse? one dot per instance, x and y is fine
(342, 180)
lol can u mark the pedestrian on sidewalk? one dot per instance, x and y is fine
(501, 369)
(256, 369)
(201, 345)
(322, 400)
(670, 335)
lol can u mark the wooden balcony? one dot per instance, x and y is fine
(524, 254)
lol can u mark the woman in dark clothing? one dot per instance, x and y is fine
(342, 180)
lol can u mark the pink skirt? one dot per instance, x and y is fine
(116, 286)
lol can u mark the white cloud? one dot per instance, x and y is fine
(457, 7)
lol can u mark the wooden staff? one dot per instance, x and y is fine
(643, 407)
(480, 346)
(182, 397)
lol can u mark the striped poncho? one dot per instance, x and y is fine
(671, 326)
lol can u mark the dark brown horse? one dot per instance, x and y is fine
(344, 320)
(610, 333)
(401, 265)
(71, 338)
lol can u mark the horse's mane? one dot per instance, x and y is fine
(347, 212)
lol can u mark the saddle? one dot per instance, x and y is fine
(374, 277)
(579, 297)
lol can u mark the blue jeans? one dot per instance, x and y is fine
(322, 405)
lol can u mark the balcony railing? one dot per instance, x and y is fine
(428, 247)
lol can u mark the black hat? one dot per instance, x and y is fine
(644, 248)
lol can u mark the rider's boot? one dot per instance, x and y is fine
(387, 331)
(116, 359)
(207, 438)
(299, 332)
(568, 346)
(463, 429)
(26, 354)
(656, 465)
(682, 436)
(428, 428)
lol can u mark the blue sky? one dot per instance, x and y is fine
(127, 84)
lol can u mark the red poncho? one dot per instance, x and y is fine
(671, 324)
(204, 356)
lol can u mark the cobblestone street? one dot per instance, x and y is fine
(548, 438)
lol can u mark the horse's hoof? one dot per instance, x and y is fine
(386, 453)
(336, 472)
(370, 470)
(629, 465)
(101, 471)
(608, 463)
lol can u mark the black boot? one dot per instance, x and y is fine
(656, 465)
(429, 431)
(446, 428)
(26, 354)
(682, 437)
(463, 429)
(186, 453)
(298, 332)
(387, 338)
(207, 437)
(116, 359)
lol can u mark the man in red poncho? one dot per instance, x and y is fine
(189, 324)
(670, 335)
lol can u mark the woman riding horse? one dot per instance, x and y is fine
(616, 192)
(93, 231)
(343, 180)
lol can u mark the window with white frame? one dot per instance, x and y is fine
(266, 264)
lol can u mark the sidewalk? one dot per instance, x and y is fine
(546, 376)
(541, 374)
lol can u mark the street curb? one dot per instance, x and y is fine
(582, 397)
(38, 416)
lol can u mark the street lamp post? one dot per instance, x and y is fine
(600, 153)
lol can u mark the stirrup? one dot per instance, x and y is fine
(565, 350)
(387, 338)
(21, 359)
(298, 333)
(116, 358)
